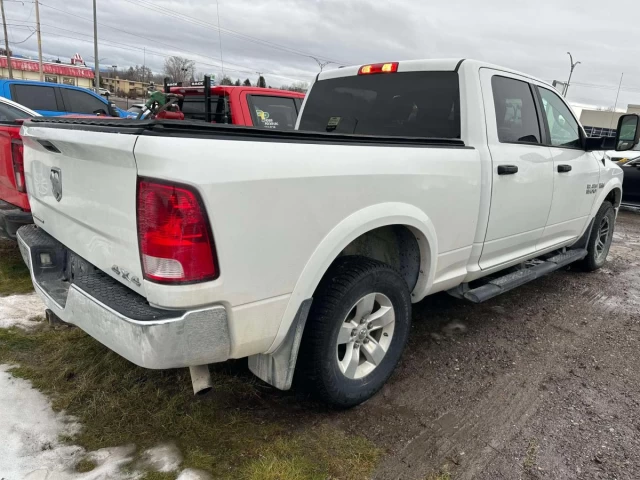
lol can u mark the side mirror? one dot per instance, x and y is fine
(628, 132)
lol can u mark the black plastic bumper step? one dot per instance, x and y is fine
(515, 279)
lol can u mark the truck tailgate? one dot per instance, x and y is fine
(82, 189)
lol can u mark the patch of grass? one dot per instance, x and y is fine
(85, 465)
(443, 474)
(532, 455)
(14, 274)
(237, 432)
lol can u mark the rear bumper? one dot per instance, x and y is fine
(11, 219)
(118, 317)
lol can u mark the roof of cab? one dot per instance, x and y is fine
(427, 65)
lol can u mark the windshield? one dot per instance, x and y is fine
(411, 104)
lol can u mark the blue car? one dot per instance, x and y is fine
(55, 99)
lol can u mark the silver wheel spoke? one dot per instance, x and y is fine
(345, 334)
(365, 306)
(350, 362)
(381, 318)
(373, 351)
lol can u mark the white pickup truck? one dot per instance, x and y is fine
(180, 244)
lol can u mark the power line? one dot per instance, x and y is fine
(178, 49)
(171, 13)
(137, 49)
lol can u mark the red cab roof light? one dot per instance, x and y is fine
(176, 245)
(390, 67)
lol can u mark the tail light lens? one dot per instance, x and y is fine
(391, 67)
(18, 165)
(176, 245)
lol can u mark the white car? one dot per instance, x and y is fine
(10, 111)
(103, 91)
(179, 244)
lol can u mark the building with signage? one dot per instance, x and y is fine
(123, 87)
(603, 123)
(75, 73)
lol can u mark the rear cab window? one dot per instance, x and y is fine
(193, 108)
(273, 112)
(35, 97)
(407, 104)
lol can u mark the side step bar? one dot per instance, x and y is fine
(496, 286)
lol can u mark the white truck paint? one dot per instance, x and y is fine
(282, 209)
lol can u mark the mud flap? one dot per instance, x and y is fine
(277, 368)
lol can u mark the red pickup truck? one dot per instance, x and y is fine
(14, 204)
(250, 106)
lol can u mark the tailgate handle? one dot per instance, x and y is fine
(49, 146)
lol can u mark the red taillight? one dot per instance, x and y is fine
(390, 67)
(18, 165)
(176, 245)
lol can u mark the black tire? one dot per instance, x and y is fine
(595, 259)
(350, 279)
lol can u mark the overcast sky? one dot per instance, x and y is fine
(278, 37)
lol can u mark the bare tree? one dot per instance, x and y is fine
(179, 69)
(301, 87)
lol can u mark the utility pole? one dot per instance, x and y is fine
(95, 45)
(6, 40)
(615, 105)
(220, 37)
(39, 42)
(573, 65)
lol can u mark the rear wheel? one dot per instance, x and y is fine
(357, 329)
(600, 239)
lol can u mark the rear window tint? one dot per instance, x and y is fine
(36, 97)
(193, 108)
(411, 104)
(275, 113)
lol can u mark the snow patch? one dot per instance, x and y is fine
(29, 445)
(163, 458)
(194, 474)
(19, 310)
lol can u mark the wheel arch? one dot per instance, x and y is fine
(345, 234)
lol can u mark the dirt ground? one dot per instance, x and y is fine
(541, 382)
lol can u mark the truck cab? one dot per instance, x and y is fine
(267, 108)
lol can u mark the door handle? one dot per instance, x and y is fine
(564, 168)
(507, 169)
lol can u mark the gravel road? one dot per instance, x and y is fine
(541, 382)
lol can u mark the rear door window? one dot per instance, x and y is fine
(77, 101)
(516, 115)
(275, 113)
(410, 104)
(36, 97)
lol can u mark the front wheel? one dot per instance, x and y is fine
(356, 331)
(600, 239)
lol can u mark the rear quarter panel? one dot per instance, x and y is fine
(273, 205)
